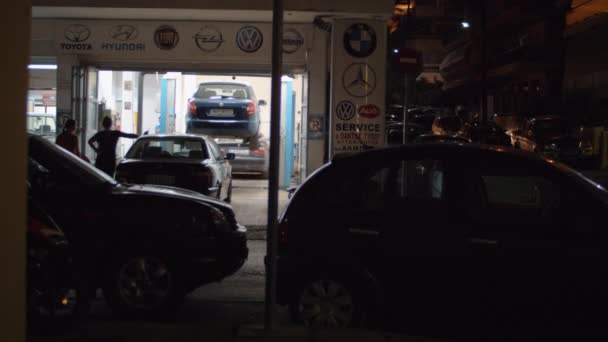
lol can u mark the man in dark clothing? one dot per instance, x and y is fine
(104, 144)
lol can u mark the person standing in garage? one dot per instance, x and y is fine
(68, 139)
(104, 144)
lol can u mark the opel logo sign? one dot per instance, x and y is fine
(166, 37)
(208, 39)
(249, 39)
(124, 33)
(345, 110)
(359, 80)
(77, 33)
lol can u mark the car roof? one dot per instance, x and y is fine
(434, 147)
(174, 136)
(242, 83)
(546, 118)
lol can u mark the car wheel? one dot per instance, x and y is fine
(143, 285)
(229, 194)
(326, 303)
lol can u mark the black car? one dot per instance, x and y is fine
(227, 109)
(488, 133)
(394, 132)
(553, 137)
(186, 161)
(442, 233)
(145, 246)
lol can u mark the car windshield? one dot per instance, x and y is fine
(41, 124)
(51, 155)
(550, 127)
(222, 91)
(161, 148)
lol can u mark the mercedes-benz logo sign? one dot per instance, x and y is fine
(208, 39)
(249, 39)
(166, 37)
(359, 80)
(345, 110)
(77, 33)
(360, 40)
(124, 33)
(292, 40)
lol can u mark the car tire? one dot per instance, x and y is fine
(335, 300)
(143, 285)
(229, 194)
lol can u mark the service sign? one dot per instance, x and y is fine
(211, 42)
(358, 91)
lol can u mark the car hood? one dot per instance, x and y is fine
(171, 192)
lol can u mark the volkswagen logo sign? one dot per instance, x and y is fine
(124, 33)
(359, 80)
(166, 37)
(369, 111)
(208, 39)
(249, 39)
(77, 33)
(345, 110)
(292, 41)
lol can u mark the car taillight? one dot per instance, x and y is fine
(251, 109)
(259, 152)
(283, 229)
(191, 107)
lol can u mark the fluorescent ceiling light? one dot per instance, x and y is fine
(42, 66)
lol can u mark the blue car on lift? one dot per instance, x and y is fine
(224, 108)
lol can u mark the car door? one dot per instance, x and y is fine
(221, 167)
(518, 237)
(399, 218)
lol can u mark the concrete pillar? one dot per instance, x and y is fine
(16, 21)
(318, 68)
(64, 88)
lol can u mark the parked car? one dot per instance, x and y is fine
(42, 124)
(248, 157)
(435, 138)
(222, 108)
(394, 132)
(552, 137)
(446, 125)
(191, 162)
(145, 246)
(486, 133)
(442, 233)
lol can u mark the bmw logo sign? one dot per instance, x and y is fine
(249, 39)
(360, 40)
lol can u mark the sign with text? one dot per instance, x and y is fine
(358, 68)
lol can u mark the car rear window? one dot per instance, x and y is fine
(222, 90)
(168, 148)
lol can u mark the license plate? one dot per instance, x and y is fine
(221, 112)
(160, 179)
(240, 152)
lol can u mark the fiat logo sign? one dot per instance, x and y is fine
(369, 111)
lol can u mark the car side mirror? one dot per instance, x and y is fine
(262, 103)
(230, 156)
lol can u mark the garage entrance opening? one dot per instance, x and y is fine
(233, 109)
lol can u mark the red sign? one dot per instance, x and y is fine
(410, 61)
(369, 111)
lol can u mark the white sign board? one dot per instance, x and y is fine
(211, 42)
(358, 84)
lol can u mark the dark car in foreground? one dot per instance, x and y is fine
(248, 157)
(145, 246)
(443, 233)
(226, 109)
(186, 161)
(552, 137)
